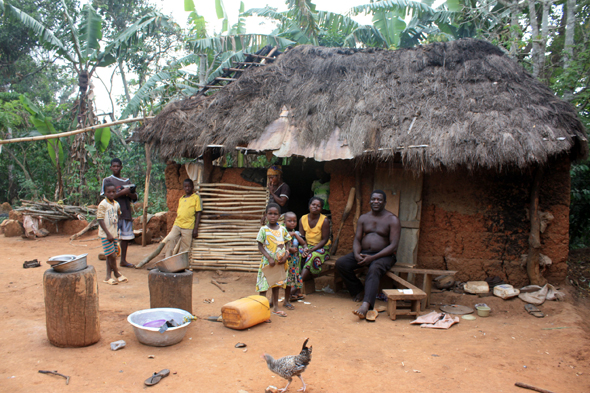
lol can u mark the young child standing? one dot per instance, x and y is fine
(293, 273)
(188, 217)
(107, 215)
(273, 241)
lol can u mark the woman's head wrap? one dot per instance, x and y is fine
(274, 170)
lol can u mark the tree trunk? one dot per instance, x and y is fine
(532, 267)
(514, 27)
(568, 47)
(125, 85)
(25, 171)
(171, 289)
(71, 308)
(538, 55)
(146, 192)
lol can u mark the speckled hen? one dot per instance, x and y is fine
(290, 366)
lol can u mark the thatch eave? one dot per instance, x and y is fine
(465, 102)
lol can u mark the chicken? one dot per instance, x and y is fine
(290, 366)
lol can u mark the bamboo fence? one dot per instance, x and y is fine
(229, 225)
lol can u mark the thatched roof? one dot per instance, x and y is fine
(462, 102)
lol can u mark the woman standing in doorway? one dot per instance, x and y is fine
(315, 228)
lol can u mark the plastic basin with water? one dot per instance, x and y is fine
(151, 335)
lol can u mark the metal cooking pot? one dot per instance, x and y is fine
(174, 264)
(74, 265)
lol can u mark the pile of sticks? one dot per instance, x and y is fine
(54, 212)
(229, 225)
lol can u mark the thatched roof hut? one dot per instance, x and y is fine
(465, 141)
(441, 105)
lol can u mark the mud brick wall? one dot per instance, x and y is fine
(477, 223)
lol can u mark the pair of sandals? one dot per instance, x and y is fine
(112, 281)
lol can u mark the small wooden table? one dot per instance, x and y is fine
(403, 272)
(393, 295)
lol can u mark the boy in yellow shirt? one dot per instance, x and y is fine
(186, 225)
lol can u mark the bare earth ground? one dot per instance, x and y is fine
(486, 355)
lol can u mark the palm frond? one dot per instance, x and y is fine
(39, 30)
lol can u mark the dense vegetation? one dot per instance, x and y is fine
(50, 51)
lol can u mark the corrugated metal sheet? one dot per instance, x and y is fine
(281, 138)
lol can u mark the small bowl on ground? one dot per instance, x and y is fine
(483, 311)
(151, 335)
(174, 264)
(74, 265)
(60, 259)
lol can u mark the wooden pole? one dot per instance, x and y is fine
(532, 265)
(357, 186)
(536, 389)
(148, 172)
(63, 134)
(151, 256)
(207, 166)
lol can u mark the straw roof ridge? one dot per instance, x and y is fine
(463, 102)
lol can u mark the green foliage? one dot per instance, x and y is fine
(102, 137)
(580, 205)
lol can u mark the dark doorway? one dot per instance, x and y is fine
(299, 175)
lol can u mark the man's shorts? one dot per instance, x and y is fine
(109, 247)
(125, 230)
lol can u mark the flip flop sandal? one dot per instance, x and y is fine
(289, 306)
(371, 315)
(129, 265)
(380, 308)
(281, 314)
(157, 377)
(534, 311)
(111, 281)
(296, 298)
(122, 278)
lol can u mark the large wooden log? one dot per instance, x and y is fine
(71, 308)
(171, 289)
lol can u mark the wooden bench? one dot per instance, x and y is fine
(393, 295)
(404, 271)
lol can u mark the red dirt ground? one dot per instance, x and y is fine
(486, 355)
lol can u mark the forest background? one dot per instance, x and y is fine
(54, 54)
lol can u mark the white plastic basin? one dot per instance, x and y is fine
(151, 335)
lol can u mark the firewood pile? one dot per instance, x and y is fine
(53, 211)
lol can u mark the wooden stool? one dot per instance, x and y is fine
(393, 295)
(173, 290)
(403, 271)
(71, 308)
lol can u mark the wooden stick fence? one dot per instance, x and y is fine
(229, 226)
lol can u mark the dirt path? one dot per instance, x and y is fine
(486, 355)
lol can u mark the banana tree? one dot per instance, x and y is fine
(209, 53)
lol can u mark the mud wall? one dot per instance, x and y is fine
(478, 223)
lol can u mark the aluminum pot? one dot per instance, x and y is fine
(78, 263)
(60, 259)
(174, 264)
(151, 335)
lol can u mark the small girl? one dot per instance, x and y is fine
(273, 242)
(293, 274)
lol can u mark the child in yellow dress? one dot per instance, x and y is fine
(273, 242)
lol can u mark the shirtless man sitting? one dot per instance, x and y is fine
(375, 243)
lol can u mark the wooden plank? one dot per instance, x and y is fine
(405, 184)
(410, 224)
(403, 269)
(403, 282)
